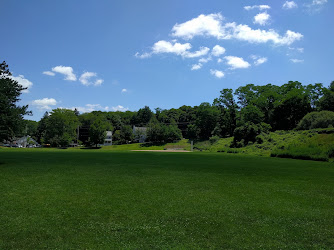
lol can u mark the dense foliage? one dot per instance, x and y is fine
(247, 113)
(11, 115)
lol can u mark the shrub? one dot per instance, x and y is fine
(214, 139)
(322, 119)
(249, 132)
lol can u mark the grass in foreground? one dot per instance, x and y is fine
(66, 199)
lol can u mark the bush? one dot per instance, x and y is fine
(214, 139)
(323, 119)
(249, 132)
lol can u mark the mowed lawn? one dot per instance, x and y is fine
(91, 199)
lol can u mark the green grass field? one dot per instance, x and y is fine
(100, 199)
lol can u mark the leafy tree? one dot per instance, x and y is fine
(248, 133)
(11, 115)
(171, 133)
(252, 114)
(98, 130)
(291, 110)
(142, 117)
(206, 119)
(61, 127)
(155, 131)
(322, 119)
(126, 134)
(192, 131)
(327, 100)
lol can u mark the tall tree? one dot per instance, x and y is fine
(11, 115)
(61, 127)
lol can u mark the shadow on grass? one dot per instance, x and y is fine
(150, 144)
(91, 148)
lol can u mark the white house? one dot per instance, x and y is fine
(140, 133)
(108, 139)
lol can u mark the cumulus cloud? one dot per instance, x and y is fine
(260, 7)
(218, 50)
(262, 19)
(25, 83)
(245, 33)
(196, 66)
(296, 60)
(212, 26)
(289, 5)
(66, 71)
(45, 103)
(85, 79)
(236, 62)
(217, 73)
(203, 25)
(98, 82)
(259, 60)
(176, 48)
(49, 73)
(124, 90)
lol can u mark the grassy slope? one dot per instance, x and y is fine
(310, 144)
(52, 198)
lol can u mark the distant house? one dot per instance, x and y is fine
(108, 139)
(26, 141)
(140, 134)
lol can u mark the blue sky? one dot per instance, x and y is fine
(123, 55)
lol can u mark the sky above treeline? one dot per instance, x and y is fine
(122, 55)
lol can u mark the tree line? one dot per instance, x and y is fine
(244, 113)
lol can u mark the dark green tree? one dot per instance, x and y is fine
(327, 100)
(11, 115)
(61, 127)
(98, 130)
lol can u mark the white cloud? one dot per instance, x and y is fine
(259, 60)
(90, 108)
(245, 33)
(296, 60)
(67, 71)
(203, 25)
(300, 50)
(217, 73)
(204, 60)
(119, 108)
(124, 90)
(219, 60)
(260, 7)
(84, 78)
(98, 82)
(95, 107)
(236, 62)
(218, 50)
(316, 5)
(176, 48)
(319, 2)
(289, 5)
(49, 73)
(202, 52)
(212, 26)
(196, 66)
(262, 18)
(167, 47)
(142, 56)
(45, 103)
(25, 83)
